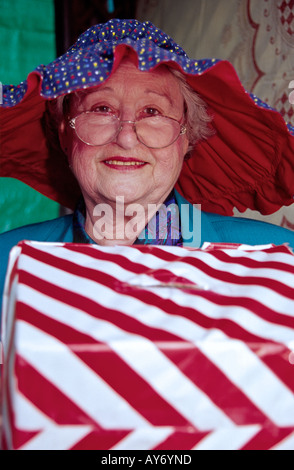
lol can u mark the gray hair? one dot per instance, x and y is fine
(198, 120)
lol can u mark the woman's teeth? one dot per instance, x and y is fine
(119, 162)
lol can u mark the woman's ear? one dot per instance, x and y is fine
(63, 136)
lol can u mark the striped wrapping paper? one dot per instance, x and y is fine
(148, 347)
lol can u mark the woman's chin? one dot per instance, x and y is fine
(122, 195)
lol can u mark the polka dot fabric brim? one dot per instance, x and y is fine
(248, 163)
(89, 62)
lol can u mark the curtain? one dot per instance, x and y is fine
(27, 37)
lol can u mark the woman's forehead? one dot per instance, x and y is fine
(160, 85)
(159, 80)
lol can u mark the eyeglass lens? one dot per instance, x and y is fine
(99, 129)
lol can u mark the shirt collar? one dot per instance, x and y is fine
(163, 229)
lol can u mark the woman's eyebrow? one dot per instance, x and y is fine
(147, 91)
(162, 94)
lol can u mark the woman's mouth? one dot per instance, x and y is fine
(123, 163)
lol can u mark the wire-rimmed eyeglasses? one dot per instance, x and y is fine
(97, 129)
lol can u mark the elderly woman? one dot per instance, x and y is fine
(126, 146)
(129, 132)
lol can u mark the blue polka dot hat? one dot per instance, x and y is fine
(247, 163)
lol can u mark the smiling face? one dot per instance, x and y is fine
(126, 167)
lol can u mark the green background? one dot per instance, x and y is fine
(27, 38)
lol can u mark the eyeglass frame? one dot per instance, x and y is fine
(71, 122)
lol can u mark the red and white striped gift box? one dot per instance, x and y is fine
(148, 348)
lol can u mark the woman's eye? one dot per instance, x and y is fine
(151, 111)
(102, 109)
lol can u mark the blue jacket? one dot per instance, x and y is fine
(214, 228)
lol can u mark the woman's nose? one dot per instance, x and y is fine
(127, 137)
